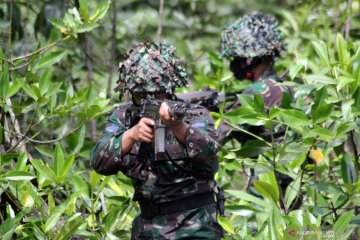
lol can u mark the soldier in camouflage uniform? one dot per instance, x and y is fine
(253, 43)
(175, 194)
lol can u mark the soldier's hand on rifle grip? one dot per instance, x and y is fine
(166, 118)
(143, 131)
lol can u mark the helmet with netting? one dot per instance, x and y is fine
(149, 67)
(253, 35)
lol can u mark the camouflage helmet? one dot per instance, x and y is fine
(253, 35)
(149, 67)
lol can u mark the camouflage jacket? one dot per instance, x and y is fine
(188, 170)
(267, 86)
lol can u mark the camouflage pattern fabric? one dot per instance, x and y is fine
(267, 86)
(254, 35)
(149, 67)
(189, 170)
(197, 223)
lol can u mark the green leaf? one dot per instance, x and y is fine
(6, 157)
(14, 88)
(322, 113)
(94, 178)
(28, 89)
(81, 185)
(19, 176)
(215, 58)
(84, 9)
(356, 97)
(258, 103)
(323, 133)
(44, 170)
(342, 223)
(86, 27)
(285, 101)
(99, 11)
(322, 50)
(290, 18)
(320, 79)
(319, 99)
(343, 81)
(346, 110)
(253, 148)
(58, 160)
(294, 117)
(294, 70)
(266, 189)
(292, 191)
(270, 178)
(55, 88)
(8, 226)
(59, 24)
(45, 150)
(343, 53)
(50, 223)
(51, 203)
(67, 165)
(341, 130)
(45, 81)
(21, 162)
(348, 172)
(69, 229)
(51, 59)
(4, 83)
(225, 224)
(248, 197)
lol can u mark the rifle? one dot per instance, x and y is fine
(208, 98)
(149, 108)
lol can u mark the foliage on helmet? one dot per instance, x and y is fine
(253, 35)
(149, 67)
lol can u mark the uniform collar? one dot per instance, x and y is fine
(267, 73)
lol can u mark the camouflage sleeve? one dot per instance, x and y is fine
(201, 138)
(106, 155)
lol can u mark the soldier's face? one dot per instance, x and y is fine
(137, 96)
(241, 66)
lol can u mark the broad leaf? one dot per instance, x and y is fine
(58, 160)
(51, 59)
(342, 223)
(348, 172)
(321, 79)
(267, 190)
(44, 170)
(253, 148)
(19, 176)
(248, 197)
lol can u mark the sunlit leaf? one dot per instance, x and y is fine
(58, 160)
(226, 224)
(320, 79)
(51, 59)
(342, 223)
(322, 50)
(19, 176)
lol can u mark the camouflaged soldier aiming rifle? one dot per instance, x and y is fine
(175, 192)
(252, 44)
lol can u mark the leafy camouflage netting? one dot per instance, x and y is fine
(149, 67)
(253, 35)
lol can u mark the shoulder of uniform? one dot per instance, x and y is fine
(120, 108)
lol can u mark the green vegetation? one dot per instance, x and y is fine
(58, 65)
